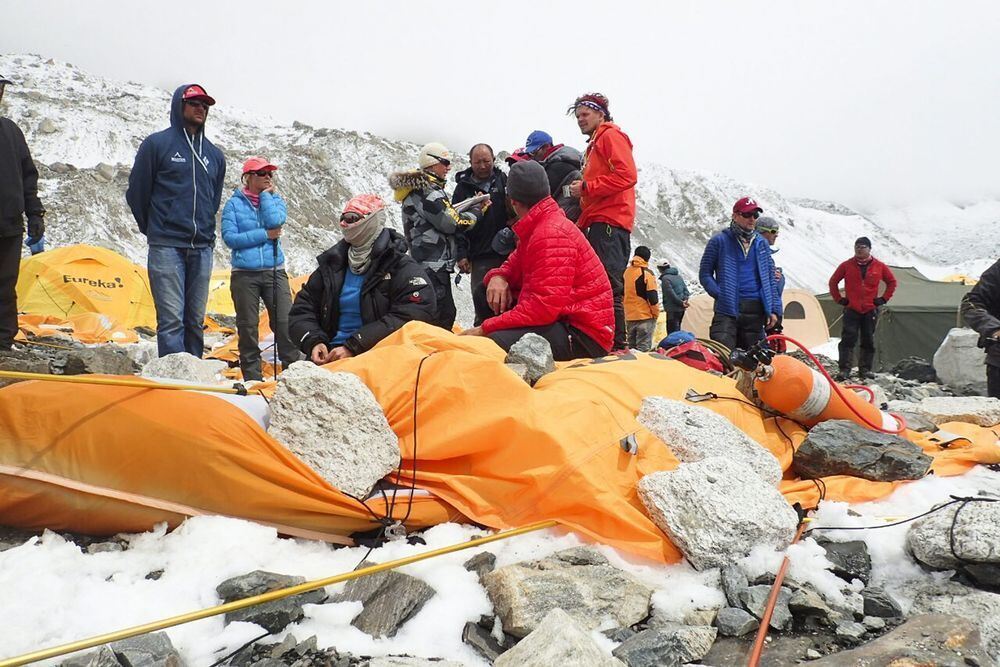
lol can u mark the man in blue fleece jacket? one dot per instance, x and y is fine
(174, 191)
(738, 272)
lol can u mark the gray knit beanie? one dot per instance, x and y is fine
(527, 182)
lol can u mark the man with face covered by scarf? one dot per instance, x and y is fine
(738, 272)
(365, 288)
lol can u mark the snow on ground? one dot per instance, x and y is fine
(52, 593)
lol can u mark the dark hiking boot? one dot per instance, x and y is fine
(843, 375)
(865, 374)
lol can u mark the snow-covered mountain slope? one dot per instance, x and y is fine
(83, 131)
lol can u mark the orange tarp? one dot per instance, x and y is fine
(487, 447)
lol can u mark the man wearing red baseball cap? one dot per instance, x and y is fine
(738, 272)
(174, 191)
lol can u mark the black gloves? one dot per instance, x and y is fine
(36, 227)
(843, 301)
(878, 301)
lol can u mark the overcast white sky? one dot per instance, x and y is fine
(869, 103)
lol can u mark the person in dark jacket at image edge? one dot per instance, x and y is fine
(18, 199)
(981, 311)
(174, 192)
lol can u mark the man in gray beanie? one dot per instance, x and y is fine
(553, 284)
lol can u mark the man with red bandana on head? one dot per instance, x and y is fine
(607, 196)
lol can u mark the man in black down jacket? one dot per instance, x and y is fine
(562, 167)
(981, 311)
(395, 290)
(18, 198)
(475, 251)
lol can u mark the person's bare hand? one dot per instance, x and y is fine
(340, 352)
(464, 265)
(474, 331)
(576, 188)
(686, 303)
(320, 354)
(772, 320)
(498, 295)
(274, 233)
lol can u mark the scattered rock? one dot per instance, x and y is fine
(952, 537)
(186, 367)
(147, 650)
(716, 510)
(47, 126)
(850, 560)
(754, 600)
(520, 370)
(850, 632)
(873, 623)
(699, 617)
(813, 654)
(978, 410)
(390, 599)
(735, 622)
(805, 603)
(783, 650)
(557, 640)
(104, 172)
(841, 447)
(483, 641)
(62, 167)
(22, 361)
(879, 603)
(534, 352)
(915, 368)
(693, 433)
(666, 646)
(273, 616)
(734, 582)
(959, 361)
(618, 635)
(918, 422)
(100, 360)
(104, 547)
(952, 598)
(579, 581)
(334, 424)
(933, 639)
(482, 564)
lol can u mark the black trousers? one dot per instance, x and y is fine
(993, 381)
(567, 343)
(248, 289)
(10, 263)
(857, 325)
(613, 247)
(446, 312)
(674, 320)
(480, 267)
(743, 330)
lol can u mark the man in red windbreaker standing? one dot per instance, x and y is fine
(607, 196)
(553, 284)
(862, 275)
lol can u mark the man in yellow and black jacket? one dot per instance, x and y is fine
(641, 301)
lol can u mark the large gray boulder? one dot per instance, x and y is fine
(152, 650)
(580, 581)
(979, 410)
(535, 354)
(334, 424)
(960, 536)
(693, 433)
(558, 639)
(666, 645)
(716, 510)
(185, 367)
(841, 447)
(959, 361)
(273, 616)
(980, 607)
(389, 600)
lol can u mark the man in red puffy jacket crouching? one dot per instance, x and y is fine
(553, 284)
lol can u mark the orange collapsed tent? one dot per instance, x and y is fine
(486, 447)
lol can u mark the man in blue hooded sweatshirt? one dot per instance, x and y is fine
(174, 191)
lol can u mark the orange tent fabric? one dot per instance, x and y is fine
(485, 445)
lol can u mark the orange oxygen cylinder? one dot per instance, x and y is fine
(794, 389)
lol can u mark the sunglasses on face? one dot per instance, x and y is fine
(198, 104)
(769, 231)
(263, 173)
(748, 216)
(443, 160)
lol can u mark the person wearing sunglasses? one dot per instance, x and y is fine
(252, 222)
(769, 228)
(738, 272)
(431, 223)
(365, 288)
(174, 192)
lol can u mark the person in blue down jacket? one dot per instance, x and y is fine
(251, 226)
(738, 272)
(174, 192)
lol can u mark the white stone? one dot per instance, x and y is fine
(693, 433)
(557, 640)
(186, 367)
(717, 510)
(334, 424)
(534, 352)
(978, 410)
(975, 536)
(960, 362)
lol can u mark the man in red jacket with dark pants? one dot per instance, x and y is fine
(862, 275)
(607, 196)
(553, 284)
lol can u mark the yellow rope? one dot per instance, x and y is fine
(116, 382)
(266, 597)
